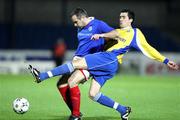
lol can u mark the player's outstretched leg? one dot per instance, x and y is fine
(127, 113)
(108, 102)
(35, 73)
(60, 70)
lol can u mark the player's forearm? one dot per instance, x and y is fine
(153, 53)
(157, 56)
(112, 35)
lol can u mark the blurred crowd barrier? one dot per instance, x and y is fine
(137, 63)
(17, 61)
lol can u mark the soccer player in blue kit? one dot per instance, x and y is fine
(68, 83)
(103, 65)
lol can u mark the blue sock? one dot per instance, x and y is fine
(60, 70)
(106, 101)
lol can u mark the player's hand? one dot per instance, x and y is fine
(173, 65)
(96, 36)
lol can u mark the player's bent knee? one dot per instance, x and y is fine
(91, 95)
(85, 73)
(94, 96)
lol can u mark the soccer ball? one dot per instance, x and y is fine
(20, 105)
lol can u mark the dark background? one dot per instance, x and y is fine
(37, 24)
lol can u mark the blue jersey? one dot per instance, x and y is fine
(88, 46)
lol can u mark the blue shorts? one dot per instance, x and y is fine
(102, 66)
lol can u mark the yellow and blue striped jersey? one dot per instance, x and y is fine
(134, 38)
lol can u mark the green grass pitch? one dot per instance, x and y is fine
(151, 98)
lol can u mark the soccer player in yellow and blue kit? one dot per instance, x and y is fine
(103, 65)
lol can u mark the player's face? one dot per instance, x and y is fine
(77, 22)
(124, 20)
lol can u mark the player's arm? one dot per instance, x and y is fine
(111, 35)
(151, 52)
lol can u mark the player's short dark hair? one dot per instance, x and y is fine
(131, 14)
(79, 12)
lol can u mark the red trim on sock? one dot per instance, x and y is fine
(65, 93)
(75, 99)
(83, 74)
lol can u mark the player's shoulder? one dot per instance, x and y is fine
(138, 30)
(99, 21)
(95, 21)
